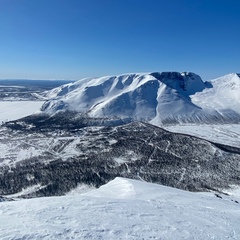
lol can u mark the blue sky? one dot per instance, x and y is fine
(72, 39)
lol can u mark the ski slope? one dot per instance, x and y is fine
(123, 209)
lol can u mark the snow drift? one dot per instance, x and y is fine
(160, 98)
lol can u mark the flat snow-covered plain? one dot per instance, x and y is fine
(12, 110)
(123, 209)
(228, 134)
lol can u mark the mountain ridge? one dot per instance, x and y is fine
(157, 97)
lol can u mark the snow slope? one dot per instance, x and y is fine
(161, 98)
(223, 96)
(123, 209)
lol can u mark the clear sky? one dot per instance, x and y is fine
(72, 39)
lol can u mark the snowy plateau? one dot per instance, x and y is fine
(135, 156)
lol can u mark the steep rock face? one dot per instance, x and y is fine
(186, 83)
(160, 98)
(52, 161)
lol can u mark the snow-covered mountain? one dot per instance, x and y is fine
(68, 153)
(224, 96)
(160, 98)
(123, 209)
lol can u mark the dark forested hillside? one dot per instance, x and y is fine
(54, 160)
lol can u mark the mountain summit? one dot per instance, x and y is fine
(158, 97)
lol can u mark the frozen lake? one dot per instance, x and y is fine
(12, 110)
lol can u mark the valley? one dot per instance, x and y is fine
(129, 140)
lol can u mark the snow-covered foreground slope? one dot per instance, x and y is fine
(123, 209)
(161, 98)
(12, 110)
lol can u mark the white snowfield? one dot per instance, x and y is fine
(225, 94)
(13, 110)
(228, 134)
(167, 97)
(123, 209)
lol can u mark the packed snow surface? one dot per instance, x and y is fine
(161, 98)
(123, 209)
